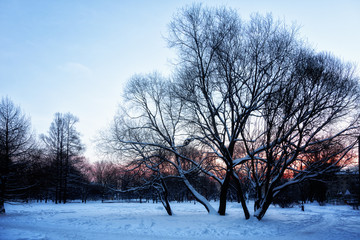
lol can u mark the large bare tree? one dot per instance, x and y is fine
(250, 96)
(227, 68)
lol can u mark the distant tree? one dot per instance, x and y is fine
(323, 158)
(36, 174)
(15, 141)
(107, 175)
(64, 146)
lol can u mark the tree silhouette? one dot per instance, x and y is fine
(15, 141)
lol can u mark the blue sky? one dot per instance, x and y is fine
(76, 55)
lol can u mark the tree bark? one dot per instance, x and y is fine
(242, 198)
(260, 213)
(263, 207)
(223, 193)
(165, 201)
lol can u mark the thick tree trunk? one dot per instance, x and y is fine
(223, 193)
(260, 213)
(263, 206)
(242, 198)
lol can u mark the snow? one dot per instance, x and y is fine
(96, 220)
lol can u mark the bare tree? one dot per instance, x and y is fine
(249, 96)
(237, 78)
(108, 175)
(15, 141)
(64, 146)
(105, 173)
(314, 107)
(151, 132)
(227, 68)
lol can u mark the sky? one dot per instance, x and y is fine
(77, 55)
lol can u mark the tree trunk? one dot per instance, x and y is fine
(65, 184)
(200, 198)
(61, 179)
(263, 206)
(165, 200)
(58, 180)
(260, 212)
(223, 193)
(57, 193)
(241, 197)
(2, 195)
(2, 207)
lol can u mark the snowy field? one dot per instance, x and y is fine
(96, 220)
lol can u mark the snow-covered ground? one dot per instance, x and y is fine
(96, 220)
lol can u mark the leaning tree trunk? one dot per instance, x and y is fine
(164, 199)
(200, 198)
(240, 194)
(263, 205)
